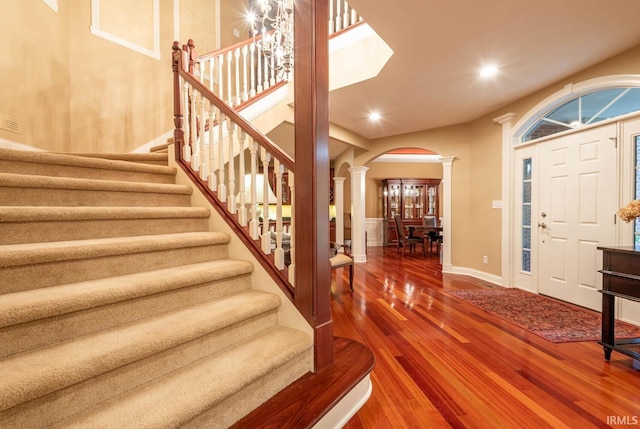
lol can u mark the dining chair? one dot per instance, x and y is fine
(340, 260)
(404, 240)
(432, 236)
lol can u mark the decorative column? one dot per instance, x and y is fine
(445, 256)
(358, 244)
(507, 180)
(338, 200)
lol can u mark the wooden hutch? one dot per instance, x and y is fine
(412, 199)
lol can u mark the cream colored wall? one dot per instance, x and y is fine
(197, 20)
(35, 73)
(76, 92)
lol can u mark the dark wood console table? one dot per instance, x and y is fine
(620, 278)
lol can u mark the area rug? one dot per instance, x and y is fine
(548, 318)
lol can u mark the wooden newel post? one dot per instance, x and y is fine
(178, 117)
(311, 81)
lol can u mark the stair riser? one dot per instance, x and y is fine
(27, 336)
(26, 277)
(55, 170)
(232, 409)
(39, 232)
(10, 196)
(59, 405)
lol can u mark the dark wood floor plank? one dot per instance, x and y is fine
(443, 363)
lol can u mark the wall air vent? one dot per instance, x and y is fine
(10, 123)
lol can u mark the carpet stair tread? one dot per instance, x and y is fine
(52, 213)
(32, 374)
(10, 180)
(152, 158)
(26, 306)
(93, 161)
(176, 399)
(47, 252)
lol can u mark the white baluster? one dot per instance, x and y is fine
(231, 188)
(292, 247)
(195, 160)
(345, 17)
(354, 16)
(186, 150)
(266, 235)
(331, 21)
(229, 79)
(260, 86)
(210, 69)
(245, 84)
(212, 182)
(242, 208)
(222, 190)
(255, 83)
(201, 140)
(279, 253)
(237, 99)
(221, 76)
(272, 80)
(254, 224)
(338, 15)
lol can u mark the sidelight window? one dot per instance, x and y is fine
(636, 222)
(526, 215)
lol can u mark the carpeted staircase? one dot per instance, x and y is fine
(120, 309)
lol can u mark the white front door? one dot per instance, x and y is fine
(576, 206)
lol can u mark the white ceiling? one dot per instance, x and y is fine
(431, 80)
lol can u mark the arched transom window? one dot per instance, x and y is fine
(584, 110)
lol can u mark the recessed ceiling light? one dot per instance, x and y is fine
(374, 116)
(488, 71)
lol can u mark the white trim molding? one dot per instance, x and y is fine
(96, 30)
(340, 414)
(53, 4)
(464, 271)
(8, 144)
(447, 175)
(507, 185)
(375, 231)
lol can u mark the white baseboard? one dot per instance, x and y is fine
(162, 139)
(491, 278)
(348, 406)
(8, 144)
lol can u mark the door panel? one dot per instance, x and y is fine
(578, 194)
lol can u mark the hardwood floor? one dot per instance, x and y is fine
(440, 362)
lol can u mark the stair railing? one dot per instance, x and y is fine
(232, 164)
(229, 160)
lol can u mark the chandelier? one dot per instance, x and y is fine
(274, 21)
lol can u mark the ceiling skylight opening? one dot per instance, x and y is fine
(488, 71)
(374, 116)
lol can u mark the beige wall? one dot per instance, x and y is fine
(76, 92)
(35, 72)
